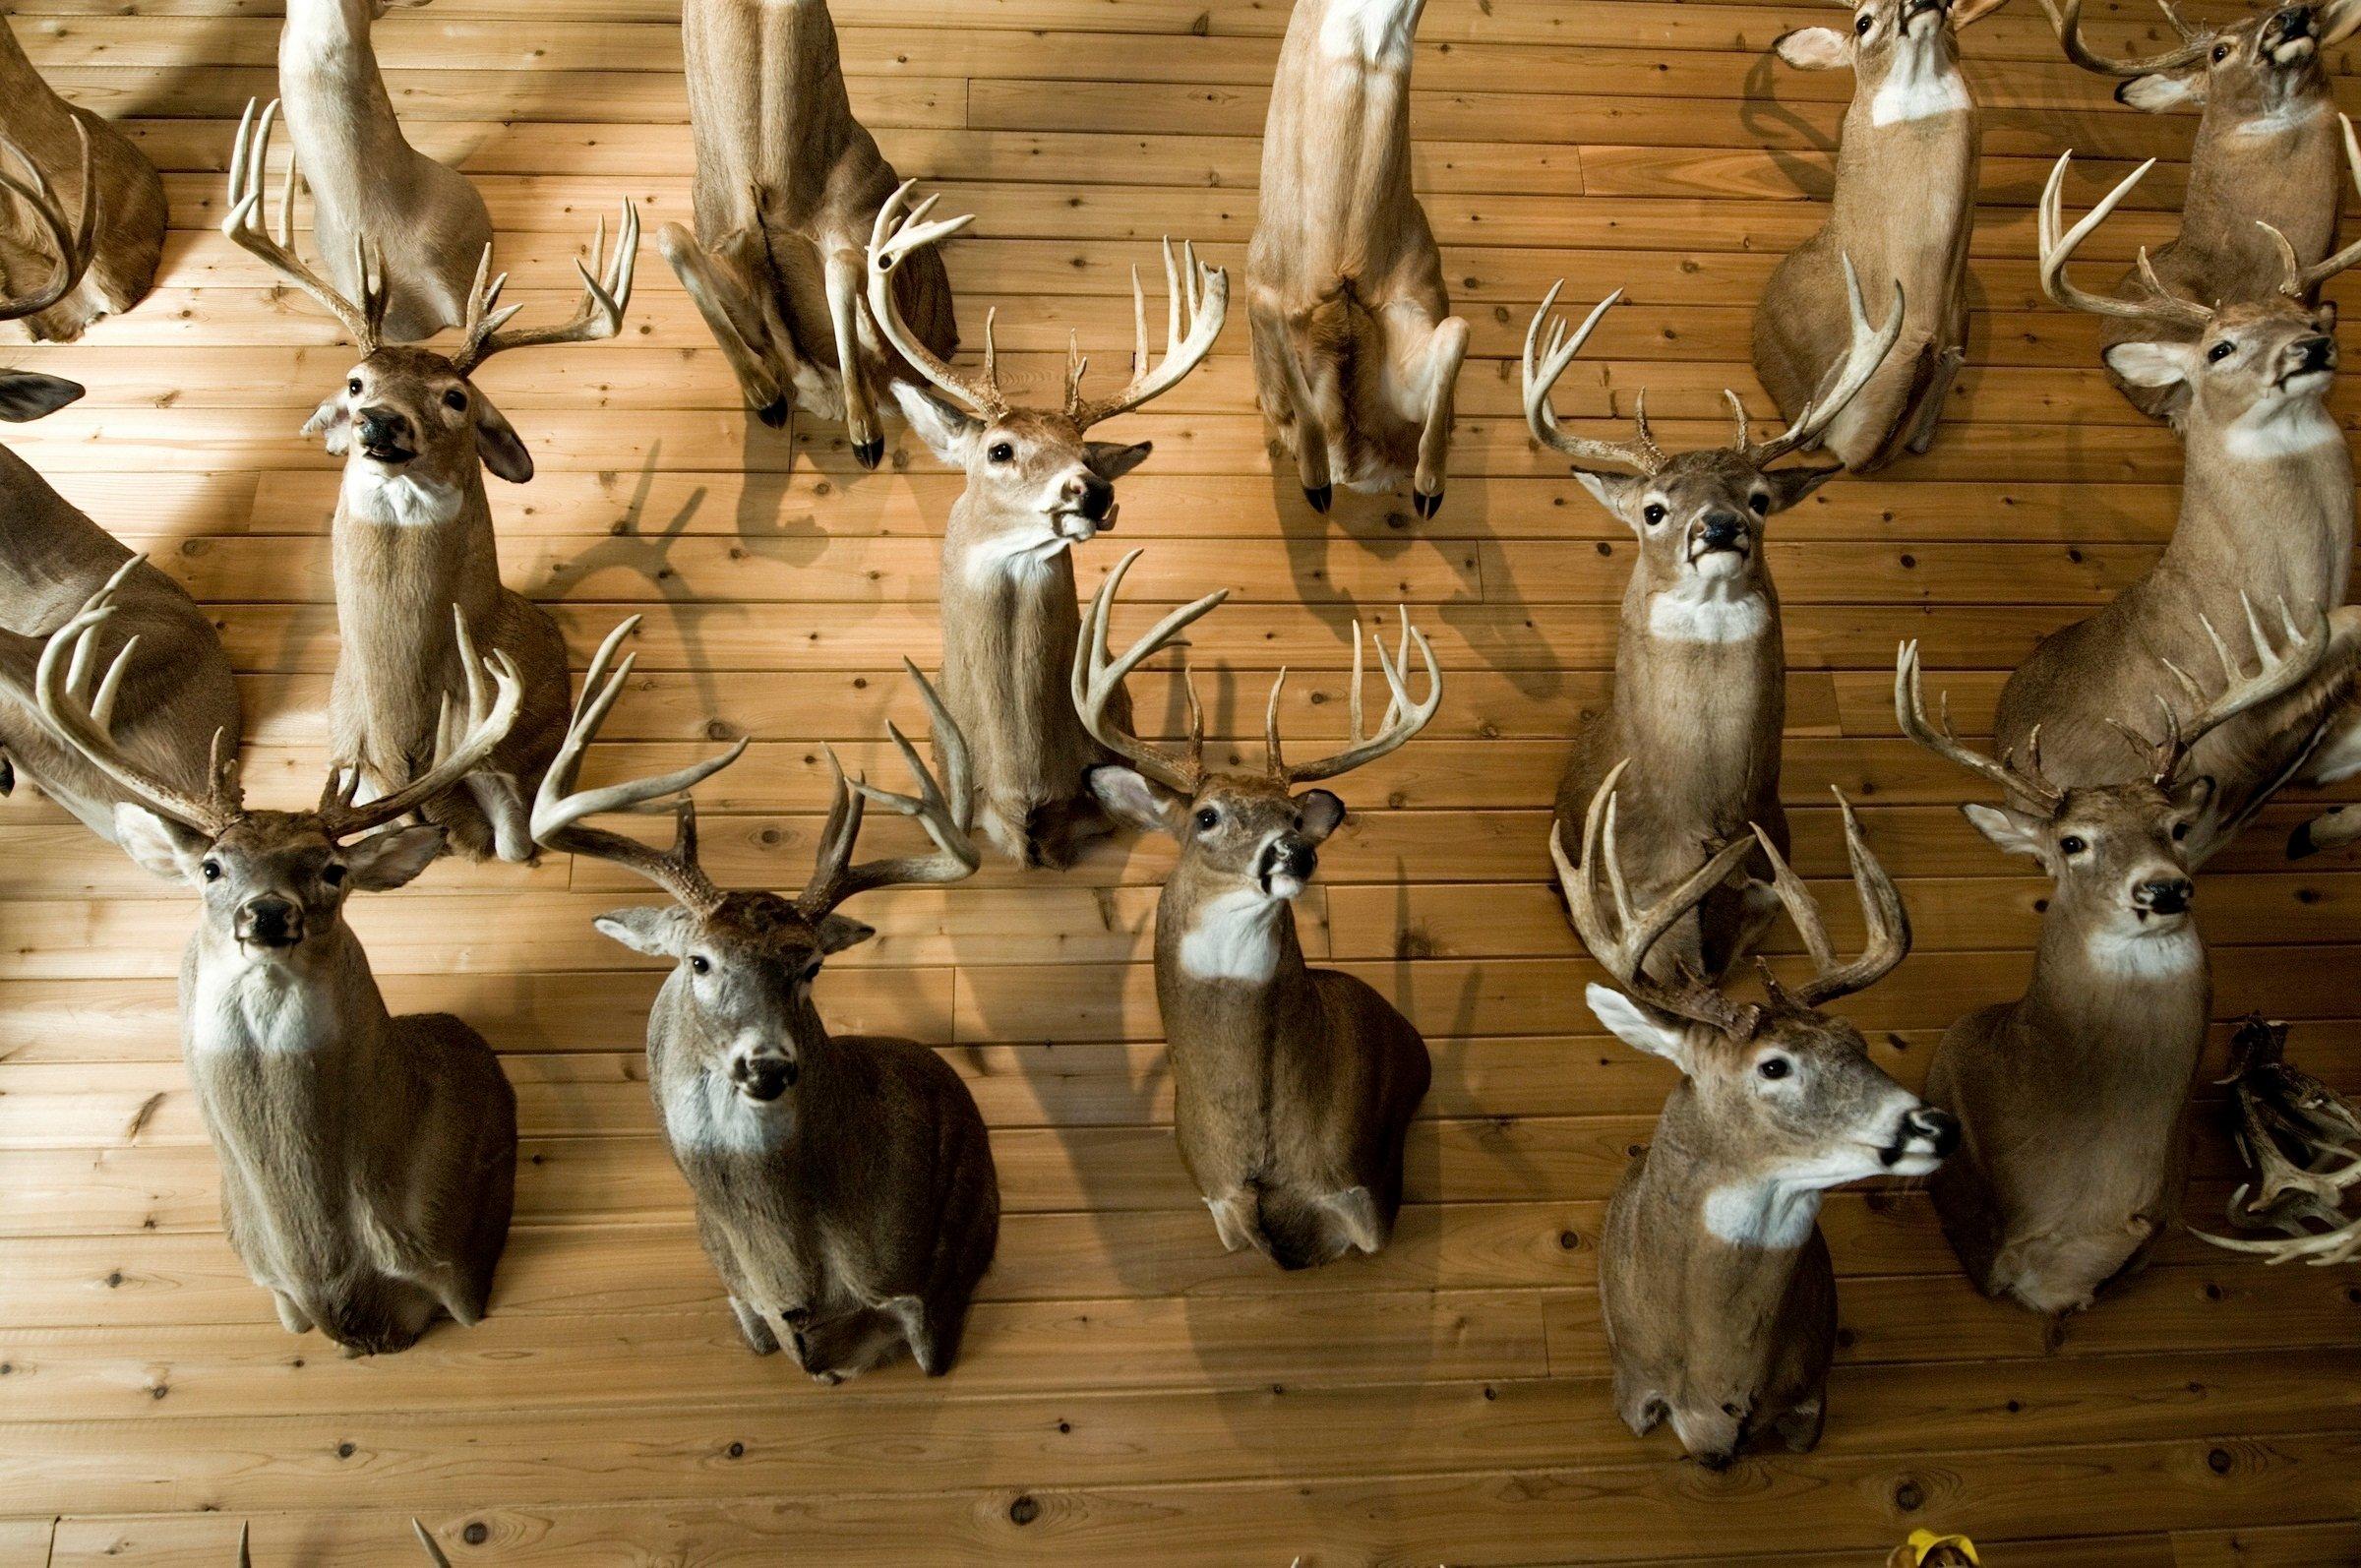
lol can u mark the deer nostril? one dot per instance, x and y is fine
(2166, 896)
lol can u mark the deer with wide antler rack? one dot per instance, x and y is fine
(2072, 1098)
(788, 188)
(844, 1183)
(2266, 155)
(414, 526)
(367, 1162)
(1700, 697)
(2266, 518)
(1903, 207)
(163, 708)
(1036, 488)
(1292, 1086)
(1719, 1299)
(1356, 354)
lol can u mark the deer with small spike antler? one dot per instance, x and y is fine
(1036, 488)
(1720, 1299)
(1292, 1086)
(414, 526)
(2072, 1098)
(1700, 698)
(844, 1183)
(368, 1162)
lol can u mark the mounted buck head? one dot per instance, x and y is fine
(744, 962)
(1788, 1088)
(2265, 66)
(1698, 514)
(273, 882)
(2118, 852)
(1885, 35)
(2250, 363)
(1242, 831)
(412, 412)
(1031, 471)
(26, 395)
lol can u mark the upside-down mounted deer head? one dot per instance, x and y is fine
(413, 411)
(744, 962)
(1032, 471)
(1235, 826)
(2261, 66)
(27, 394)
(1698, 514)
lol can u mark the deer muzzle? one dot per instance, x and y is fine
(2315, 355)
(269, 921)
(2163, 896)
(1922, 1141)
(383, 435)
(1085, 510)
(1286, 864)
(763, 1075)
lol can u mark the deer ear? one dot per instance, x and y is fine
(2014, 831)
(836, 934)
(1136, 800)
(158, 844)
(1791, 485)
(497, 443)
(950, 433)
(27, 394)
(655, 930)
(1969, 13)
(2149, 364)
(1607, 490)
(384, 861)
(1111, 461)
(1814, 48)
(2160, 91)
(331, 422)
(1636, 1026)
(2193, 796)
(1323, 814)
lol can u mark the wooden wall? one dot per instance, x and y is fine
(1128, 1393)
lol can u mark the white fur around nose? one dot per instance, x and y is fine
(1375, 30)
(2140, 955)
(1923, 84)
(1773, 1214)
(1703, 608)
(398, 500)
(708, 1115)
(1232, 935)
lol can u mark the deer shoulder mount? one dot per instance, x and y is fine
(1312, 1169)
(844, 1183)
(788, 189)
(1700, 694)
(1720, 1299)
(1903, 207)
(2265, 153)
(368, 1162)
(1356, 354)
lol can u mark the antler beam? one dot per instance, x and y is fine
(1098, 677)
(945, 810)
(1196, 303)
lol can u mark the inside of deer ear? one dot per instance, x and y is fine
(1111, 461)
(2160, 91)
(1136, 799)
(1791, 485)
(1323, 813)
(1814, 48)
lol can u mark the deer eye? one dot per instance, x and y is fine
(353, 386)
(212, 871)
(1761, 504)
(2219, 352)
(1002, 452)
(2073, 844)
(1860, 23)
(455, 400)
(1774, 1067)
(1654, 513)
(2180, 830)
(2221, 52)
(698, 963)
(332, 874)
(1208, 819)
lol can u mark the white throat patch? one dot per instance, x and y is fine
(2140, 956)
(1012, 557)
(1376, 30)
(1922, 84)
(1708, 610)
(710, 1116)
(267, 1005)
(1233, 935)
(1773, 1215)
(400, 501)
(2285, 427)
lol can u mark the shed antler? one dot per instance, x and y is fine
(559, 810)
(74, 243)
(945, 810)
(2069, 23)
(1887, 922)
(1909, 711)
(1098, 677)
(2304, 1142)
(2160, 305)
(1866, 350)
(1621, 939)
(1196, 303)
(600, 315)
(894, 236)
(364, 320)
(1403, 719)
(462, 744)
(1541, 368)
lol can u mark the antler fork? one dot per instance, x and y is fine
(364, 320)
(896, 236)
(2278, 671)
(1097, 678)
(462, 744)
(1866, 350)
(1909, 711)
(1403, 719)
(944, 808)
(2068, 24)
(1196, 303)
(2160, 305)
(599, 316)
(1541, 369)
(1887, 921)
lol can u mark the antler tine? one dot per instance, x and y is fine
(461, 745)
(2058, 245)
(599, 316)
(2278, 671)
(1910, 712)
(943, 809)
(2291, 1127)
(2069, 35)
(1197, 298)
(1097, 678)
(1540, 373)
(1737, 414)
(559, 809)
(2302, 282)
(1866, 351)
(892, 237)
(247, 160)
(1621, 942)
(88, 734)
(74, 244)
(1403, 719)
(1887, 922)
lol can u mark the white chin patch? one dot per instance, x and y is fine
(1075, 528)
(2163, 948)
(1281, 886)
(1720, 564)
(1913, 1163)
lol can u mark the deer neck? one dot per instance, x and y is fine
(1922, 83)
(38, 120)
(49, 551)
(1734, 1234)
(1230, 970)
(2267, 506)
(1010, 624)
(335, 101)
(2107, 1006)
(1701, 675)
(1372, 32)
(2272, 166)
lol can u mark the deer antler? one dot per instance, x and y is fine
(364, 322)
(2301, 281)
(1866, 350)
(1196, 303)
(461, 745)
(2058, 244)
(2194, 42)
(1097, 678)
(894, 237)
(1889, 924)
(559, 810)
(1622, 942)
(599, 316)
(2301, 1137)
(1909, 711)
(2278, 672)
(1403, 717)
(74, 244)
(1541, 374)
(943, 810)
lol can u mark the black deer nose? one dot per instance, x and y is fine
(1291, 855)
(382, 427)
(764, 1078)
(1721, 530)
(2316, 353)
(2295, 22)
(1940, 1130)
(1090, 496)
(2167, 896)
(269, 922)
